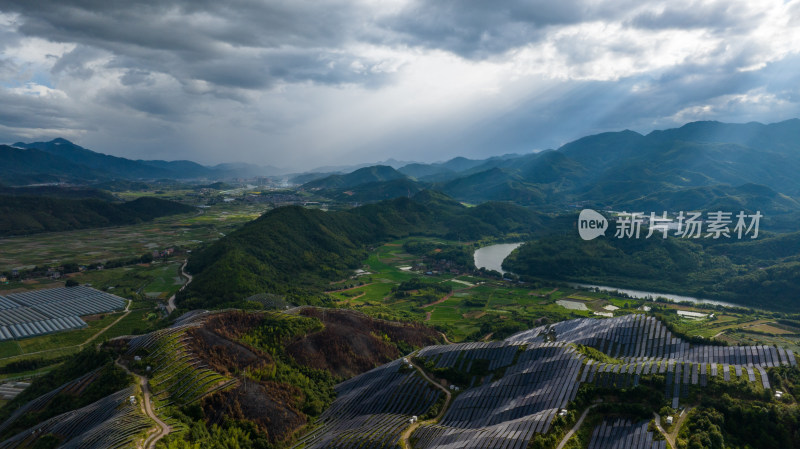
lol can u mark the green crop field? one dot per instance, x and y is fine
(145, 283)
(96, 245)
(479, 306)
(137, 322)
(62, 339)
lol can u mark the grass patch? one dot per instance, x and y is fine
(137, 322)
(69, 338)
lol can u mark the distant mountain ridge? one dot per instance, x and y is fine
(700, 165)
(366, 175)
(60, 160)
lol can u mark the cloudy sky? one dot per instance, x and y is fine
(300, 83)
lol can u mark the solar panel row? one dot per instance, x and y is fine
(6, 303)
(41, 312)
(40, 327)
(539, 379)
(110, 422)
(372, 409)
(623, 434)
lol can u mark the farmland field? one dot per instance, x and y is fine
(92, 245)
(479, 307)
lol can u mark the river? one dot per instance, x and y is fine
(651, 295)
(491, 257)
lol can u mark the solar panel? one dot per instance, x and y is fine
(43, 311)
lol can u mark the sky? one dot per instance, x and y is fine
(300, 84)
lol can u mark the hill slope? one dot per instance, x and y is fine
(295, 251)
(20, 215)
(366, 175)
(60, 160)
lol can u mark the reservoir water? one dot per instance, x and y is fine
(652, 295)
(491, 257)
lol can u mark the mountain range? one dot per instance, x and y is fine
(60, 160)
(701, 165)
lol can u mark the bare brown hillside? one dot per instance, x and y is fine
(350, 343)
(353, 343)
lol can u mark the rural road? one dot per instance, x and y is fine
(163, 428)
(670, 437)
(575, 427)
(667, 436)
(171, 302)
(407, 433)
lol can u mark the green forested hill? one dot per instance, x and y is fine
(58, 192)
(701, 165)
(374, 191)
(294, 251)
(366, 175)
(762, 273)
(20, 215)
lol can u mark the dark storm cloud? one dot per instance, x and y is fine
(324, 80)
(145, 100)
(240, 44)
(75, 62)
(479, 29)
(35, 112)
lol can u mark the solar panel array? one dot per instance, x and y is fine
(623, 434)
(538, 378)
(508, 412)
(42, 312)
(111, 422)
(373, 409)
(646, 346)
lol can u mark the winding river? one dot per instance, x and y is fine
(640, 294)
(491, 257)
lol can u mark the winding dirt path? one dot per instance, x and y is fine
(404, 439)
(575, 427)
(670, 437)
(448, 296)
(163, 428)
(171, 302)
(445, 339)
(667, 436)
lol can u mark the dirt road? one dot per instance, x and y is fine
(171, 302)
(163, 429)
(410, 430)
(575, 427)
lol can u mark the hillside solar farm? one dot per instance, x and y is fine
(532, 376)
(623, 434)
(495, 395)
(40, 312)
(112, 422)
